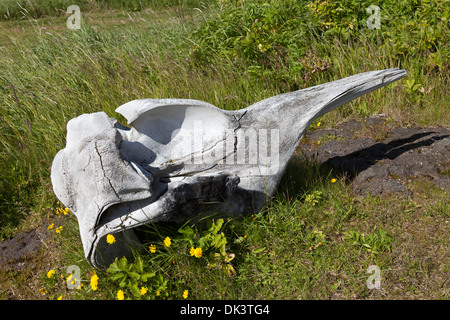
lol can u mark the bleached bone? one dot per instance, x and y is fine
(182, 158)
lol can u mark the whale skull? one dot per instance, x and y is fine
(181, 158)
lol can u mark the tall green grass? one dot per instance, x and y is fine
(57, 75)
(60, 75)
(25, 9)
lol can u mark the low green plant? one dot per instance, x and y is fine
(374, 243)
(287, 41)
(135, 277)
(314, 198)
(213, 242)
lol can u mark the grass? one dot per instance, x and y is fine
(314, 241)
(299, 247)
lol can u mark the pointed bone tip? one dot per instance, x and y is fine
(399, 72)
(393, 74)
(387, 75)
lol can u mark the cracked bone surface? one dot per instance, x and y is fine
(183, 158)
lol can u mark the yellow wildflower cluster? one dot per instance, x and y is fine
(197, 252)
(73, 280)
(51, 226)
(59, 211)
(121, 296)
(62, 210)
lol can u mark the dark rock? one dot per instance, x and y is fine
(381, 167)
(15, 252)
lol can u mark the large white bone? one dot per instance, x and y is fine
(182, 158)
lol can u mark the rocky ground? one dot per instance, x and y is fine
(380, 160)
(17, 252)
(374, 157)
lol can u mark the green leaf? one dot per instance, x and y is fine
(113, 267)
(138, 265)
(216, 240)
(134, 275)
(159, 278)
(117, 276)
(122, 264)
(259, 250)
(187, 231)
(146, 276)
(216, 225)
(123, 282)
(135, 290)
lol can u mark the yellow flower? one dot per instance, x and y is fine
(318, 124)
(110, 239)
(120, 295)
(152, 248)
(66, 211)
(58, 230)
(167, 242)
(51, 226)
(42, 291)
(158, 293)
(333, 180)
(198, 252)
(143, 291)
(73, 280)
(94, 281)
(185, 294)
(50, 273)
(60, 297)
